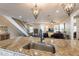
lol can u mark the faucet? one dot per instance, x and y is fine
(41, 36)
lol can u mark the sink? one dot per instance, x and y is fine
(40, 46)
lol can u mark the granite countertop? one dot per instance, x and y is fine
(18, 47)
(63, 47)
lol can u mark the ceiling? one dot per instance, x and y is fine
(23, 11)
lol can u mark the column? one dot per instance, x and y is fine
(64, 27)
(71, 28)
(77, 24)
(59, 27)
(73, 42)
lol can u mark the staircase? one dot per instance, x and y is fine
(14, 27)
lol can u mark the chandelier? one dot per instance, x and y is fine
(50, 19)
(35, 11)
(68, 8)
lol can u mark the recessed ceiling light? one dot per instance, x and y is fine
(57, 11)
(20, 16)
